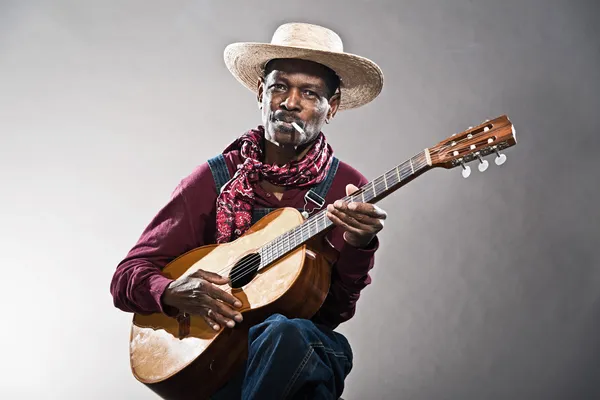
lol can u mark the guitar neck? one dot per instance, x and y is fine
(372, 192)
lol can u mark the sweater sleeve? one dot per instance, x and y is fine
(350, 273)
(138, 284)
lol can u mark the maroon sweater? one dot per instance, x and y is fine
(187, 221)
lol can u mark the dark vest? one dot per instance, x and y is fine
(316, 194)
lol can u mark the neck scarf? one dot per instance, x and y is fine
(236, 200)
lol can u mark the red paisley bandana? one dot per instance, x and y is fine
(236, 201)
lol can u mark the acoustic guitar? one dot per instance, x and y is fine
(282, 264)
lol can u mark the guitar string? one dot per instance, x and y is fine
(306, 227)
(248, 266)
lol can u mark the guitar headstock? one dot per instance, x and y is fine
(474, 144)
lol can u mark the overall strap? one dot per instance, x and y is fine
(315, 195)
(318, 193)
(220, 172)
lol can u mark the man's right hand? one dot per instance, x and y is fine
(197, 294)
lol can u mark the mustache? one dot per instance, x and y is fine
(287, 117)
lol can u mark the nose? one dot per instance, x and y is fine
(292, 100)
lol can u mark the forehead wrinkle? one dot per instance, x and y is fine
(307, 80)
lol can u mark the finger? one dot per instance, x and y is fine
(222, 320)
(338, 222)
(356, 207)
(371, 210)
(211, 322)
(222, 295)
(358, 221)
(211, 277)
(226, 311)
(350, 188)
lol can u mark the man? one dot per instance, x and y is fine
(301, 78)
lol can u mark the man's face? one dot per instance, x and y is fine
(295, 91)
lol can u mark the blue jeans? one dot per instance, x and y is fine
(291, 359)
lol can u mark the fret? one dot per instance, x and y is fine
(273, 247)
(385, 182)
(364, 193)
(405, 174)
(378, 182)
(390, 178)
(265, 255)
(268, 253)
(262, 257)
(279, 247)
(411, 166)
(269, 257)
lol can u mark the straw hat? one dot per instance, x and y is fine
(361, 79)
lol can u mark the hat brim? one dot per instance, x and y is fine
(361, 78)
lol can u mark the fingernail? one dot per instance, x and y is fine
(239, 318)
(230, 324)
(338, 203)
(238, 303)
(216, 327)
(352, 206)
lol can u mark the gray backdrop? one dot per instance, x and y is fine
(485, 288)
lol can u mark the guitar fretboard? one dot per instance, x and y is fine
(371, 192)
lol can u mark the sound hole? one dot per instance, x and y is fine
(244, 270)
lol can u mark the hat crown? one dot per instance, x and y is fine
(307, 36)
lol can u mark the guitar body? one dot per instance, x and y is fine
(184, 358)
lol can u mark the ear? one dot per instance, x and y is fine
(259, 91)
(334, 103)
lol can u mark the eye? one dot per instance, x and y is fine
(309, 93)
(278, 87)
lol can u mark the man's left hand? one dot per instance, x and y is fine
(360, 221)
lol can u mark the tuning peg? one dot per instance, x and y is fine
(483, 164)
(466, 170)
(500, 159)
